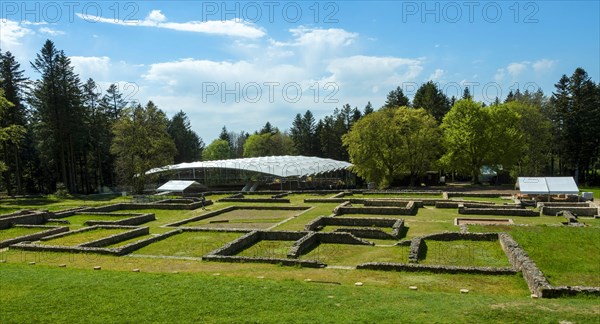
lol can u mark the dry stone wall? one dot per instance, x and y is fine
(50, 230)
(498, 211)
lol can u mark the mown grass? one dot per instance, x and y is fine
(464, 253)
(188, 244)
(566, 255)
(268, 249)
(196, 295)
(83, 237)
(53, 203)
(255, 219)
(352, 255)
(13, 232)
(79, 220)
(141, 297)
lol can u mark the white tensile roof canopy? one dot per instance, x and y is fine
(280, 166)
(547, 185)
(179, 186)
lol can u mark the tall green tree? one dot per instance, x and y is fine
(537, 138)
(59, 116)
(303, 133)
(217, 150)
(141, 143)
(433, 100)
(577, 109)
(391, 142)
(475, 136)
(396, 98)
(9, 134)
(189, 145)
(14, 84)
(268, 144)
(368, 109)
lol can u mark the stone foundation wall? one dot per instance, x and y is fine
(256, 200)
(51, 230)
(161, 206)
(285, 262)
(366, 232)
(563, 204)
(232, 208)
(136, 219)
(385, 203)
(410, 209)
(435, 268)
(237, 245)
(312, 239)
(116, 238)
(126, 249)
(579, 211)
(521, 261)
(473, 194)
(498, 211)
(24, 218)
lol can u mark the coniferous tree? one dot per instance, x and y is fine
(396, 98)
(368, 109)
(189, 145)
(14, 84)
(433, 100)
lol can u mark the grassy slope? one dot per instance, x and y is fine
(566, 255)
(56, 295)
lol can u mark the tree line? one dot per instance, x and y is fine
(60, 131)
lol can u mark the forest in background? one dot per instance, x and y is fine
(60, 132)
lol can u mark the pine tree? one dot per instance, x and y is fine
(433, 100)
(396, 98)
(189, 145)
(14, 84)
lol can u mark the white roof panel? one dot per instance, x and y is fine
(562, 185)
(547, 185)
(281, 166)
(533, 186)
(176, 185)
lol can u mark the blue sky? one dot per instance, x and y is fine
(240, 64)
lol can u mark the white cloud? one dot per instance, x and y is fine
(51, 32)
(436, 75)
(232, 27)
(91, 66)
(156, 16)
(12, 34)
(543, 65)
(514, 69)
(500, 73)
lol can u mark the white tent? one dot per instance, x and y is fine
(280, 166)
(547, 186)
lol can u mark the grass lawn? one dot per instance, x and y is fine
(465, 253)
(112, 296)
(83, 237)
(240, 218)
(53, 203)
(188, 244)
(566, 255)
(352, 255)
(268, 249)
(7, 210)
(79, 220)
(208, 292)
(13, 232)
(398, 195)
